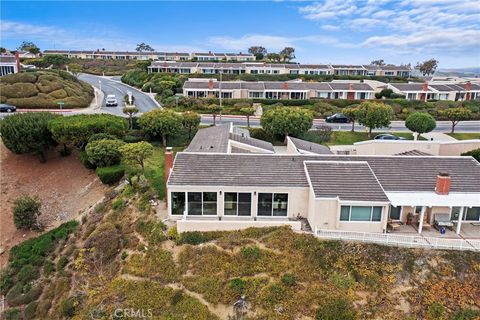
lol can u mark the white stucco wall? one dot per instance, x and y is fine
(437, 148)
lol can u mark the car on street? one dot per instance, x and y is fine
(7, 108)
(337, 118)
(388, 136)
(111, 101)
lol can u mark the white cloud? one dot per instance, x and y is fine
(330, 27)
(407, 25)
(246, 41)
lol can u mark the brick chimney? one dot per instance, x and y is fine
(17, 60)
(442, 185)
(425, 86)
(168, 168)
(468, 87)
(285, 86)
(210, 84)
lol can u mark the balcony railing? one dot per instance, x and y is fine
(401, 240)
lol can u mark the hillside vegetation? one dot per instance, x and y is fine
(122, 256)
(45, 89)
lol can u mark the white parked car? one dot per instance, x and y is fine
(111, 101)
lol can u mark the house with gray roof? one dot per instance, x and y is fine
(235, 181)
(293, 89)
(433, 91)
(9, 64)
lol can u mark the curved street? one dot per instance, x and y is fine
(108, 86)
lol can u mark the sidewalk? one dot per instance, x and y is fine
(438, 136)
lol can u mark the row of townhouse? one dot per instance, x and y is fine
(274, 68)
(159, 56)
(452, 91)
(9, 64)
(227, 180)
(204, 88)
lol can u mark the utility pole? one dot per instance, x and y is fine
(220, 92)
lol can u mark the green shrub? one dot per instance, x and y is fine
(101, 136)
(28, 133)
(110, 175)
(106, 241)
(19, 90)
(251, 253)
(238, 286)
(336, 309)
(20, 77)
(104, 153)
(27, 273)
(26, 210)
(62, 262)
(12, 314)
(272, 294)
(85, 161)
(261, 134)
(48, 268)
(30, 311)
(435, 311)
(289, 279)
(33, 251)
(151, 230)
(6, 282)
(196, 237)
(473, 153)
(468, 314)
(68, 306)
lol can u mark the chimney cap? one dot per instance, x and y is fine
(444, 174)
(168, 149)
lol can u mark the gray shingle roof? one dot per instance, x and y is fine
(252, 142)
(395, 173)
(408, 86)
(348, 180)
(309, 146)
(413, 152)
(212, 139)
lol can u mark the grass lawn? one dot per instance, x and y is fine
(465, 136)
(155, 168)
(348, 137)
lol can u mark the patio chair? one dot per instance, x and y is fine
(442, 220)
(393, 225)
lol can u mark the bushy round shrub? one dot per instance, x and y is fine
(111, 174)
(104, 152)
(473, 153)
(420, 122)
(26, 210)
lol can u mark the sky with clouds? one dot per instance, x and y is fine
(327, 31)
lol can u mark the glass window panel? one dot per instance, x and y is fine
(360, 213)
(344, 213)
(473, 214)
(178, 203)
(377, 214)
(455, 213)
(230, 204)
(280, 204)
(264, 204)
(209, 203)
(194, 203)
(244, 204)
(395, 212)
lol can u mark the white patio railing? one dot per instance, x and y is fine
(401, 240)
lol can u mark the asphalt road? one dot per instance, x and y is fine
(143, 101)
(442, 126)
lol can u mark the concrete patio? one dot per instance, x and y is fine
(469, 231)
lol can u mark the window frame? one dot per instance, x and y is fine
(187, 211)
(360, 221)
(272, 204)
(237, 204)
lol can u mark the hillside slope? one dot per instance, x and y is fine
(123, 258)
(45, 89)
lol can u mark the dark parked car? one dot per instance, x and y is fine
(7, 108)
(388, 136)
(338, 118)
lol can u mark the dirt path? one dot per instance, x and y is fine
(63, 184)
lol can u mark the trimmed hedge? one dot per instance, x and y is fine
(111, 174)
(45, 89)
